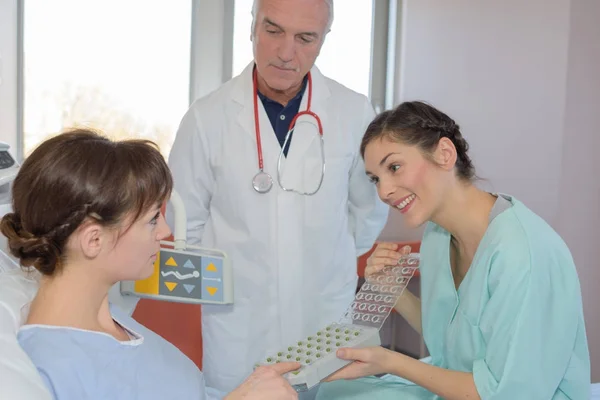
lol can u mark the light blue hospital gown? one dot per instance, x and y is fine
(76, 364)
(516, 321)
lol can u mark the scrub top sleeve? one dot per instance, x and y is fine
(367, 214)
(529, 326)
(194, 181)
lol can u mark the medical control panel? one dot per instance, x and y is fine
(9, 168)
(193, 275)
(6, 160)
(359, 327)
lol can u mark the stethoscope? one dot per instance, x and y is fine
(262, 181)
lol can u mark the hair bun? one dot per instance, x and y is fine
(38, 252)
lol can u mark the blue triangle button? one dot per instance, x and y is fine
(188, 264)
(189, 288)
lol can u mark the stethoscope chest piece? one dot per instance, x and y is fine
(262, 182)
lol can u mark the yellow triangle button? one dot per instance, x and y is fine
(170, 285)
(211, 268)
(212, 290)
(171, 262)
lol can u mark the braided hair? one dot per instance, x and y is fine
(419, 124)
(78, 176)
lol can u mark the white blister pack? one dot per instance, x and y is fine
(359, 327)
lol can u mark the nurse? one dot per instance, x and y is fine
(500, 307)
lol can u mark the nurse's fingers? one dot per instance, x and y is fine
(377, 262)
(405, 250)
(373, 269)
(387, 246)
(360, 354)
(382, 253)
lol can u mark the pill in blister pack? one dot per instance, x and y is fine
(371, 318)
(373, 308)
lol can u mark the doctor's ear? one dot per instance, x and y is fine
(445, 154)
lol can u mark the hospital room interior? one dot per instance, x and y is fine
(520, 77)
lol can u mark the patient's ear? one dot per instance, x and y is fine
(91, 238)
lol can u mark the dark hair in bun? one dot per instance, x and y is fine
(77, 175)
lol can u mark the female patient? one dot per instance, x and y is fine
(500, 307)
(87, 215)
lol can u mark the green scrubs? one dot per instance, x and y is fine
(515, 322)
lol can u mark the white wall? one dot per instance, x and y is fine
(498, 68)
(578, 218)
(521, 78)
(8, 73)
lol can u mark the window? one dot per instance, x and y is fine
(120, 66)
(346, 54)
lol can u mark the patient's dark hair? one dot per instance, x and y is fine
(79, 175)
(418, 124)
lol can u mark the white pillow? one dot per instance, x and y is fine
(19, 378)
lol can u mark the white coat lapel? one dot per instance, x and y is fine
(302, 168)
(243, 94)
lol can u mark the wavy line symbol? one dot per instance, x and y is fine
(179, 276)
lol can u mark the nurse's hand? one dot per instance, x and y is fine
(366, 362)
(266, 383)
(385, 254)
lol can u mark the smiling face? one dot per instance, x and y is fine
(408, 180)
(287, 39)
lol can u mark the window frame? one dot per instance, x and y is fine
(217, 16)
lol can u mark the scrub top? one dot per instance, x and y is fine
(515, 322)
(77, 364)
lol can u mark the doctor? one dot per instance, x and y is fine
(293, 251)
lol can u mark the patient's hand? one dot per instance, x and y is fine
(266, 383)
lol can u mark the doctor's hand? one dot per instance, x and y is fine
(366, 362)
(385, 254)
(266, 383)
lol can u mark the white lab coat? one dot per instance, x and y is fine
(293, 256)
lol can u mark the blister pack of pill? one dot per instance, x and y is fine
(358, 327)
(378, 295)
